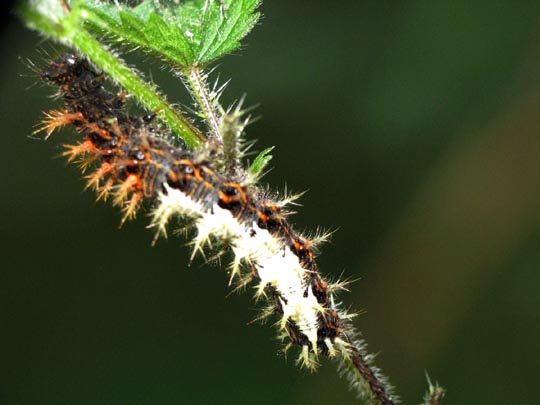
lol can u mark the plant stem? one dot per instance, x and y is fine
(231, 135)
(360, 365)
(206, 101)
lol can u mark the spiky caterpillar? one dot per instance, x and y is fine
(136, 162)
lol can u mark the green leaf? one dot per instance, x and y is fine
(191, 33)
(260, 163)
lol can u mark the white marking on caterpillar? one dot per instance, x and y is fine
(275, 263)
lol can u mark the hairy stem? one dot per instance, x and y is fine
(231, 156)
(359, 363)
(206, 101)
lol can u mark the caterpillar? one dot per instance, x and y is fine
(136, 161)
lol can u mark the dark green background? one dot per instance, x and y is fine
(416, 128)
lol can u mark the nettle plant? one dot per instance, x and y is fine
(195, 172)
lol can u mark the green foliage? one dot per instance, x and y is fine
(190, 33)
(259, 164)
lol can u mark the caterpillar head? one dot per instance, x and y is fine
(65, 68)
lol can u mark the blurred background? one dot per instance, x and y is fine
(415, 126)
